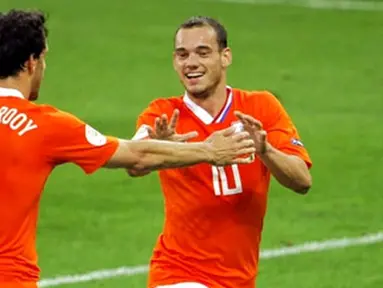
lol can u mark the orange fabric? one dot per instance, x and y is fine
(21, 284)
(33, 140)
(210, 236)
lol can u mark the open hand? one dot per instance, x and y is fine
(255, 129)
(164, 130)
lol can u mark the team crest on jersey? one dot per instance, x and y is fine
(94, 137)
(296, 142)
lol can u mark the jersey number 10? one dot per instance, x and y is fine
(220, 183)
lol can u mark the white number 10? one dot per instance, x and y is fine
(220, 183)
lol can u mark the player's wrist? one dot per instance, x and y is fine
(268, 149)
(208, 152)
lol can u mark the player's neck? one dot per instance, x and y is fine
(214, 102)
(16, 83)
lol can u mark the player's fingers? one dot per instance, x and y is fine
(247, 119)
(263, 135)
(157, 124)
(161, 129)
(248, 143)
(151, 132)
(164, 122)
(254, 122)
(241, 116)
(187, 136)
(244, 121)
(227, 132)
(174, 119)
(238, 113)
(245, 150)
(243, 160)
(238, 137)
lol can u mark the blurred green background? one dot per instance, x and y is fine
(109, 59)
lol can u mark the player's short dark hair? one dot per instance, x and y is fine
(22, 34)
(200, 21)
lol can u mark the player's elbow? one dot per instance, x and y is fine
(137, 173)
(139, 165)
(303, 186)
(302, 190)
(147, 162)
(132, 172)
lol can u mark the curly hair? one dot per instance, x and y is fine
(22, 35)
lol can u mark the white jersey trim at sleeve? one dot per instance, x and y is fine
(94, 137)
(141, 133)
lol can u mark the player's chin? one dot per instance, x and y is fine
(198, 91)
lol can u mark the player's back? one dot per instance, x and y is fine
(33, 140)
(23, 172)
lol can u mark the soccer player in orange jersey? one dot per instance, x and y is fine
(214, 215)
(34, 139)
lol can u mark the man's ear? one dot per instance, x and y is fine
(226, 57)
(31, 64)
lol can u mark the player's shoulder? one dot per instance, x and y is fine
(164, 104)
(35, 110)
(52, 113)
(55, 119)
(261, 104)
(46, 109)
(253, 96)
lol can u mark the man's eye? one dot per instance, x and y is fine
(203, 53)
(182, 55)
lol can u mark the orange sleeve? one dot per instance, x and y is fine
(281, 131)
(146, 119)
(155, 109)
(68, 139)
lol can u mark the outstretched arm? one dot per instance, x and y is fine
(67, 139)
(222, 148)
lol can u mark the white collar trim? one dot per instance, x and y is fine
(202, 114)
(7, 92)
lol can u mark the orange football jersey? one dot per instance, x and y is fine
(214, 215)
(33, 140)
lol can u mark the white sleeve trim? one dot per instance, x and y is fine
(141, 133)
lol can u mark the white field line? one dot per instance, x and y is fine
(265, 254)
(316, 4)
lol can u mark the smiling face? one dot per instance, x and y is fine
(199, 61)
